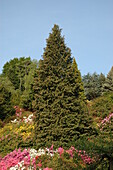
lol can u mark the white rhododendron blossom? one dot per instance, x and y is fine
(33, 153)
(25, 119)
(14, 121)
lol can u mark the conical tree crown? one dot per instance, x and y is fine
(108, 85)
(78, 80)
(59, 99)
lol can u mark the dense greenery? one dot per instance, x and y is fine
(61, 114)
(6, 90)
(93, 85)
(100, 107)
(67, 108)
(15, 70)
(20, 74)
(108, 85)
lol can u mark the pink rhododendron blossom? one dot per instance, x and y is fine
(39, 164)
(13, 158)
(106, 120)
(47, 168)
(60, 150)
(71, 151)
(51, 148)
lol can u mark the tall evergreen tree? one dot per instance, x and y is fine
(59, 96)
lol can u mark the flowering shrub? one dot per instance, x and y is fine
(43, 159)
(17, 134)
(84, 156)
(107, 120)
(25, 130)
(13, 159)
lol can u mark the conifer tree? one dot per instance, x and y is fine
(59, 96)
(108, 85)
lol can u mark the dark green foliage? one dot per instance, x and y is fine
(10, 71)
(59, 96)
(100, 147)
(108, 85)
(12, 142)
(15, 70)
(78, 80)
(93, 85)
(6, 90)
(101, 106)
(21, 74)
(28, 94)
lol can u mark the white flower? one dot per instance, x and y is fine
(41, 152)
(14, 121)
(29, 119)
(30, 116)
(13, 168)
(33, 153)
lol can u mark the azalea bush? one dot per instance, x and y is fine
(18, 133)
(46, 159)
(100, 147)
(95, 152)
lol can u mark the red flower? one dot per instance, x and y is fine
(36, 157)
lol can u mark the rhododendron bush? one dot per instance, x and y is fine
(44, 158)
(100, 146)
(18, 133)
(16, 143)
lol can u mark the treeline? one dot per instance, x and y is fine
(16, 85)
(96, 85)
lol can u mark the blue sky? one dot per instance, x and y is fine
(86, 24)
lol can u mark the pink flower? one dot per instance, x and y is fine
(70, 151)
(60, 150)
(39, 164)
(47, 168)
(51, 148)
(72, 148)
(33, 161)
(26, 161)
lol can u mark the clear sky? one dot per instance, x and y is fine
(86, 24)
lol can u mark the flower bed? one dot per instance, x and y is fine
(44, 159)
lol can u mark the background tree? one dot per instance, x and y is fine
(15, 70)
(21, 74)
(59, 96)
(6, 91)
(28, 94)
(10, 71)
(108, 85)
(101, 80)
(93, 85)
